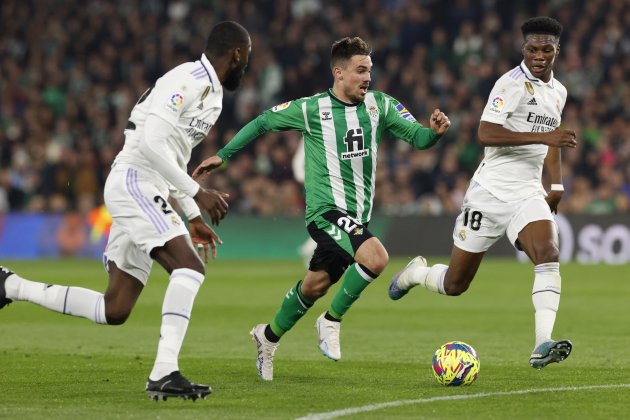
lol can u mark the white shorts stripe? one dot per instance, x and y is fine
(143, 202)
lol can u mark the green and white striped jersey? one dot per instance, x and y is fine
(341, 142)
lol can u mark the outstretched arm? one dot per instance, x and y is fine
(253, 129)
(491, 134)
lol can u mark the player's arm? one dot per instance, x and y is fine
(401, 124)
(156, 150)
(504, 99)
(553, 167)
(283, 117)
(494, 134)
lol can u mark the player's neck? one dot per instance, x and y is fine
(338, 93)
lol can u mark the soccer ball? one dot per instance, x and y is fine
(455, 363)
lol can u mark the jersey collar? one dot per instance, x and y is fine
(212, 75)
(332, 95)
(531, 77)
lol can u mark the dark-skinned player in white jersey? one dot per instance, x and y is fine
(520, 129)
(167, 122)
(342, 129)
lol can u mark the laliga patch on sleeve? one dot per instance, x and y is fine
(281, 106)
(175, 102)
(497, 103)
(404, 113)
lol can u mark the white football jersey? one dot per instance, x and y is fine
(519, 102)
(189, 97)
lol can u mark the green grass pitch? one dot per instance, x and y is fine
(59, 367)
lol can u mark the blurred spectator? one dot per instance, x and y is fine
(70, 72)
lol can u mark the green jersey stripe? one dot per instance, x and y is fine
(370, 103)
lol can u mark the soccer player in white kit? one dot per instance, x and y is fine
(169, 120)
(520, 131)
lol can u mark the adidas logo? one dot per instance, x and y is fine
(200, 106)
(532, 102)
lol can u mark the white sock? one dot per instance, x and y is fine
(434, 280)
(176, 309)
(75, 301)
(546, 299)
(431, 278)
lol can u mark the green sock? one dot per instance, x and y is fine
(293, 307)
(356, 279)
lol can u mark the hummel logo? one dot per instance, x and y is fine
(532, 102)
(326, 116)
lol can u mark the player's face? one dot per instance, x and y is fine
(235, 76)
(539, 54)
(355, 77)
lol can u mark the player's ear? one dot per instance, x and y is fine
(236, 55)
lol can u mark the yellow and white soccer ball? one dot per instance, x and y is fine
(455, 363)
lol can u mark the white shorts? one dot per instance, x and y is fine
(142, 219)
(485, 219)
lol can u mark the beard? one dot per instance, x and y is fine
(234, 79)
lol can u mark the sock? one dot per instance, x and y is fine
(357, 278)
(176, 310)
(75, 301)
(434, 280)
(546, 299)
(293, 307)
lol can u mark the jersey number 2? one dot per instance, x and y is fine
(160, 200)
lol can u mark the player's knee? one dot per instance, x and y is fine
(545, 253)
(455, 289)
(314, 291)
(377, 262)
(456, 283)
(116, 316)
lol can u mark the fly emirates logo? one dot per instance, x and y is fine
(198, 129)
(542, 123)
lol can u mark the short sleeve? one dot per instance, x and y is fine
(286, 116)
(503, 100)
(171, 96)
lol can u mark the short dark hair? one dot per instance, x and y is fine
(226, 36)
(542, 25)
(345, 48)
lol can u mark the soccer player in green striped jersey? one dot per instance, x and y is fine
(342, 130)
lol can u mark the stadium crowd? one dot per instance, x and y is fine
(70, 71)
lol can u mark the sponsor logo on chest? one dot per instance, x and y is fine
(198, 129)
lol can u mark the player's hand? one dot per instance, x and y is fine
(204, 238)
(213, 202)
(439, 122)
(561, 137)
(553, 199)
(206, 166)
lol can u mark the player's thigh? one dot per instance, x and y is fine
(482, 221)
(338, 239)
(142, 220)
(535, 231)
(178, 253)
